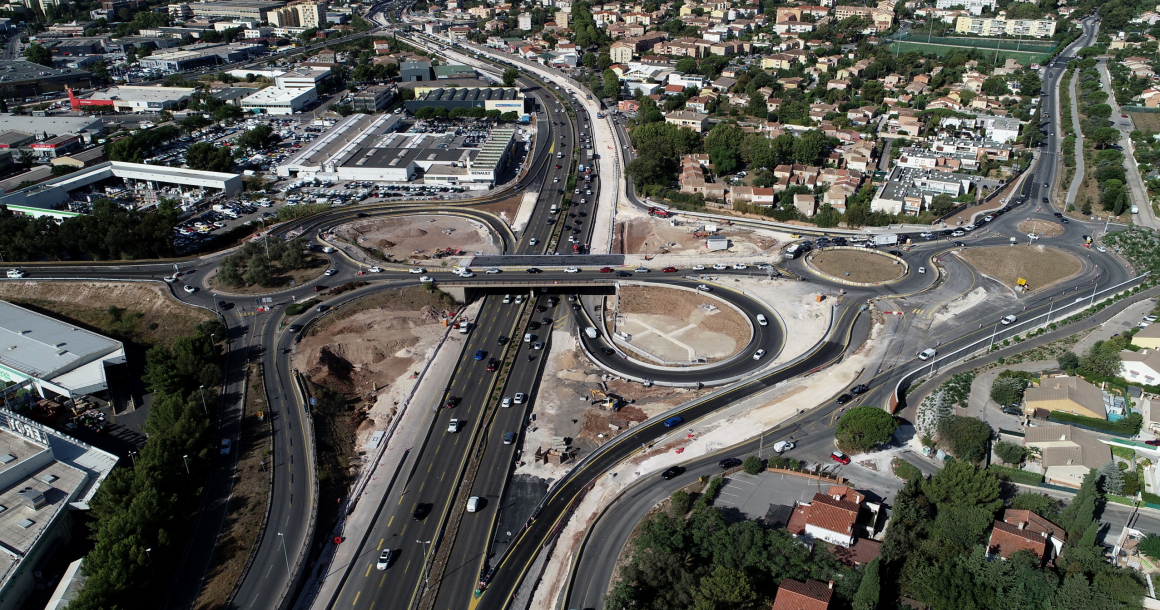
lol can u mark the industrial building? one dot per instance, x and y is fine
(200, 55)
(415, 71)
(372, 99)
(370, 147)
(275, 100)
(45, 476)
(238, 9)
(39, 126)
(23, 79)
(504, 99)
(52, 197)
(302, 77)
(133, 99)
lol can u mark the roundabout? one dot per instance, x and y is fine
(856, 266)
(1038, 266)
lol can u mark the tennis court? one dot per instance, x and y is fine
(1024, 57)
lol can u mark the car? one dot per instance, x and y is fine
(1064, 221)
(927, 354)
(958, 234)
(1152, 442)
(1101, 249)
(766, 267)
(479, 354)
(672, 472)
(926, 235)
(557, 166)
(1008, 320)
(571, 270)
(375, 269)
(453, 425)
(740, 266)
(190, 289)
(15, 273)
(704, 288)
(426, 279)
(533, 241)
(385, 559)
(698, 267)
(607, 351)
(642, 270)
(466, 274)
(538, 345)
(506, 402)
(840, 457)
(844, 398)
(728, 463)
(669, 270)
(532, 270)
(474, 503)
(623, 274)
(493, 270)
(294, 328)
(519, 398)
(509, 438)
(319, 288)
(556, 179)
(1013, 410)
(859, 389)
(418, 270)
(322, 308)
(331, 271)
(959, 244)
(922, 269)
(758, 354)
(673, 421)
(225, 305)
(1123, 116)
(451, 402)
(720, 266)
(421, 511)
(225, 446)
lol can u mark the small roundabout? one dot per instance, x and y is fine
(862, 267)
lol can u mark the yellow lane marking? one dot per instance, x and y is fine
(381, 540)
(368, 571)
(356, 595)
(392, 519)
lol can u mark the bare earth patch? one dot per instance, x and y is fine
(150, 315)
(657, 236)
(679, 325)
(857, 266)
(505, 209)
(420, 237)
(1042, 228)
(1041, 266)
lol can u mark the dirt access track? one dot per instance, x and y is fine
(680, 325)
(1041, 266)
(419, 237)
(648, 235)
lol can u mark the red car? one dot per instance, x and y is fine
(452, 401)
(840, 457)
(1123, 116)
(1153, 443)
(606, 269)
(557, 166)
(491, 365)
(669, 270)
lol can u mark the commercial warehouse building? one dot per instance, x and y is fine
(200, 55)
(45, 477)
(369, 147)
(275, 100)
(133, 99)
(52, 197)
(372, 99)
(504, 99)
(302, 77)
(23, 79)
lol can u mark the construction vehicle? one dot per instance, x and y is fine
(659, 212)
(607, 401)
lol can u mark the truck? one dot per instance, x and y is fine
(659, 212)
(794, 251)
(577, 249)
(883, 239)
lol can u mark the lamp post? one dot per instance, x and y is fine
(426, 573)
(201, 390)
(149, 554)
(185, 458)
(285, 556)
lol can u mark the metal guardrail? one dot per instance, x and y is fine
(1006, 332)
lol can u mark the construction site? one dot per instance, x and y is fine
(413, 239)
(659, 232)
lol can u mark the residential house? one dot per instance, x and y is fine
(807, 205)
(1068, 394)
(830, 516)
(1141, 367)
(697, 104)
(628, 106)
(696, 121)
(808, 595)
(1066, 452)
(1023, 530)
(1148, 337)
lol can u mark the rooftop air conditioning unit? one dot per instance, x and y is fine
(33, 498)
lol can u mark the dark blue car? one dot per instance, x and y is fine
(479, 354)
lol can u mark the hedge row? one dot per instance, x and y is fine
(1015, 475)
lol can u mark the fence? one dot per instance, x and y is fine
(1002, 333)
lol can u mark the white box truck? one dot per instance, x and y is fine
(884, 239)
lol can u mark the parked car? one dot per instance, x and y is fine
(728, 463)
(840, 457)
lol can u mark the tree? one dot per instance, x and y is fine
(204, 156)
(38, 54)
(870, 589)
(1150, 546)
(1041, 504)
(1103, 137)
(1007, 390)
(995, 85)
(724, 160)
(1010, 452)
(961, 483)
(1068, 361)
(611, 84)
(509, 77)
(680, 502)
(753, 465)
(1085, 508)
(862, 428)
(1112, 478)
(967, 436)
(259, 138)
(194, 122)
(258, 271)
(1103, 358)
(809, 147)
(687, 65)
(942, 204)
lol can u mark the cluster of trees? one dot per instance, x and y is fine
(139, 146)
(143, 512)
(704, 562)
(203, 102)
(935, 549)
(1096, 126)
(371, 72)
(251, 265)
(38, 54)
(109, 232)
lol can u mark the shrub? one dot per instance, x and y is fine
(294, 309)
(1007, 390)
(1150, 546)
(1015, 475)
(680, 502)
(1128, 426)
(966, 436)
(710, 492)
(753, 465)
(1010, 452)
(904, 469)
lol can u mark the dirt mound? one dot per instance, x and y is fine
(331, 369)
(429, 315)
(572, 375)
(385, 243)
(568, 359)
(411, 232)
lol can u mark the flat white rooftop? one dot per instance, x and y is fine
(276, 95)
(43, 347)
(144, 94)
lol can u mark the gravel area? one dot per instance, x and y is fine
(1043, 228)
(667, 322)
(857, 265)
(1041, 266)
(417, 238)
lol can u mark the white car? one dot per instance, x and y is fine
(533, 241)
(493, 270)
(453, 425)
(555, 179)
(507, 402)
(1008, 320)
(331, 271)
(927, 354)
(739, 266)
(519, 399)
(922, 269)
(720, 266)
(641, 270)
(190, 289)
(418, 270)
(467, 274)
(1101, 249)
(385, 559)
(169, 279)
(758, 354)
(704, 288)
(571, 270)
(375, 270)
(426, 279)
(698, 267)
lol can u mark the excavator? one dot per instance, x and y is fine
(610, 402)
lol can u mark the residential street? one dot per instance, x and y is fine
(1138, 193)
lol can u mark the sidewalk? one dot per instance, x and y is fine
(1139, 195)
(331, 568)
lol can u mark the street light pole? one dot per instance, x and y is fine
(284, 555)
(185, 458)
(201, 390)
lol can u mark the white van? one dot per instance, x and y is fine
(15, 274)
(761, 320)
